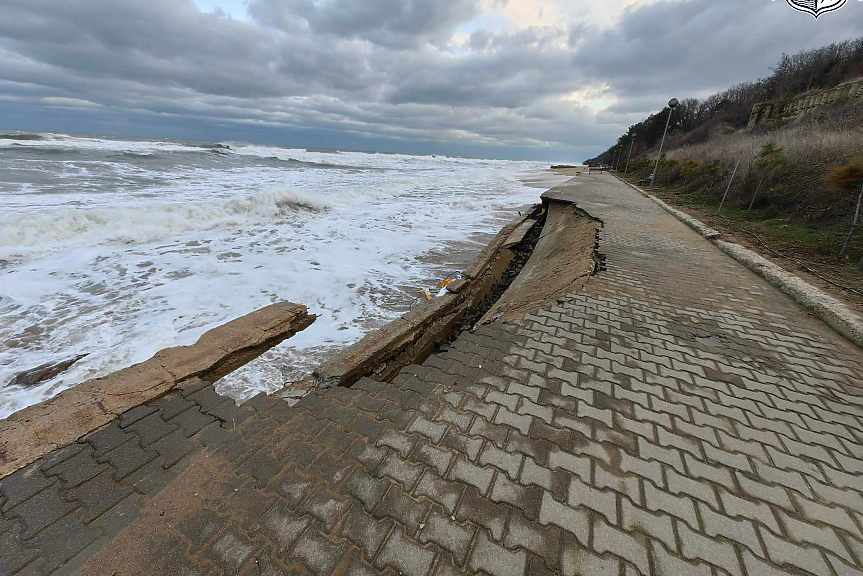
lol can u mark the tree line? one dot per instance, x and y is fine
(807, 70)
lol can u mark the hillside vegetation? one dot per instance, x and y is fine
(795, 179)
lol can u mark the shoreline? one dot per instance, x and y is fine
(35, 430)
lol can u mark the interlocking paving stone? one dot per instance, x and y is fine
(77, 469)
(366, 531)
(493, 558)
(405, 556)
(127, 457)
(675, 416)
(41, 510)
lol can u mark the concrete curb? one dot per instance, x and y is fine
(833, 312)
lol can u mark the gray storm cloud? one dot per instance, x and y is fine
(413, 74)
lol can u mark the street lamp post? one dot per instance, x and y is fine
(672, 104)
(631, 146)
(617, 160)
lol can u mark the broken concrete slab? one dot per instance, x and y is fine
(413, 337)
(562, 261)
(33, 432)
(43, 372)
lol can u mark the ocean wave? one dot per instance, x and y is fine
(24, 234)
(39, 150)
(21, 136)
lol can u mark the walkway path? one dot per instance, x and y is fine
(677, 416)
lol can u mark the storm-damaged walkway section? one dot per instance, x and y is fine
(673, 414)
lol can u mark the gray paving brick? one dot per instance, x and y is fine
(437, 458)
(695, 546)
(526, 499)
(679, 484)
(477, 476)
(738, 530)
(757, 566)
(545, 542)
(443, 492)
(405, 556)
(490, 432)
(772, 494)
(13, 554)
(318, 553)
(660, 501)
(751, 510)
(403, 472)
(365, 531)
(107, 438)
(783, 552)
(483, 409)
(576, 522)
(281, 526)
(658, 526)
(482, 511)
(504, 399)
(609, 539)
(822, 536)
(519, 421)
(191, 420)
(614, 480)
(401, 443)
(427, 428)
(506, 461)
(173, 447)
(669, 456)
(366, 489)
(447, 534)
(788, 479)
(326, 507)
(583, 494)
(62, 540)
(669, 564)
(526, 391)
(97, 495)
(577, 560)
(495, 559)
(41, 510)
(467, 445)
(837, 497)
(400, 506)
(713, 473)
(151, 428)
(460, 420)
(578, 465)
(833, 516)
(651, 470)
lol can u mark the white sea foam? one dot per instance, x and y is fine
(141, 222)
(120, 257)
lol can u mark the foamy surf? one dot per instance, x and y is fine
(141, 222)
(119, 255)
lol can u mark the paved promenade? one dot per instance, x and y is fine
(678, 416)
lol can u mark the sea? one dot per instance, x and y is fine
(118, 247)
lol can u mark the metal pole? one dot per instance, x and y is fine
(617, 160)
(736, 166)
(656, 166)
(630, 154)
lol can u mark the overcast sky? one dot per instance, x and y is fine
(540, 79)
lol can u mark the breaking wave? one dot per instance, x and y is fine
(147, 222)
(21, 136)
